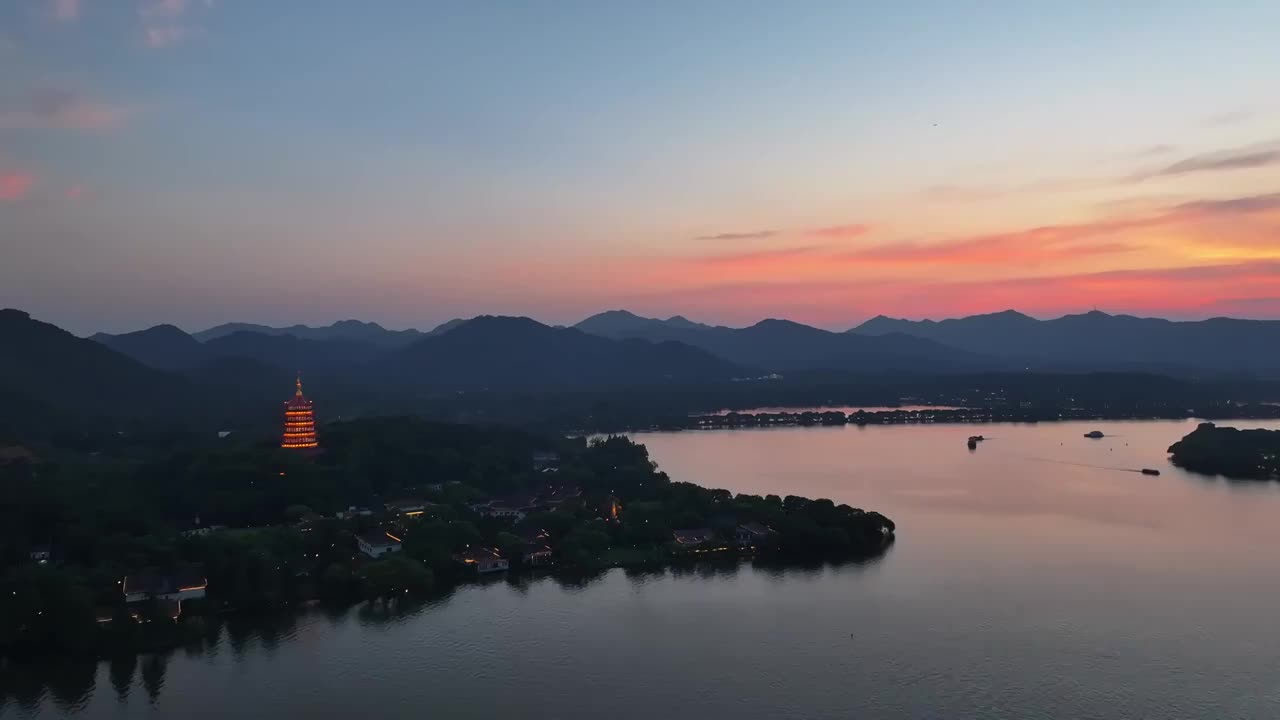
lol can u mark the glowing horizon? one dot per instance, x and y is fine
(195, 162)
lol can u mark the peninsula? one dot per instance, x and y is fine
(132, 543)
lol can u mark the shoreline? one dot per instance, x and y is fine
(970, 416)
(195, 629)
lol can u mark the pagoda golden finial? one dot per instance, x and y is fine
(299, 391)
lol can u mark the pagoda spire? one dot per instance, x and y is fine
(299, 421)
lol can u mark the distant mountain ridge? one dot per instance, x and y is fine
(784, 346)
(352, 330)
(163, 346)
(515, 352)
(621, 324)
(479, 353)
(166, 347)
(1096, 340)
(162, 374)
(1002, 340)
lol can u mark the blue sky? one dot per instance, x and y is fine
(198, 162)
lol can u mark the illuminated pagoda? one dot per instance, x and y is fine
(299, 422)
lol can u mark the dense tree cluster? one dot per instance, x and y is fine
(1229, 451)
(270, 529)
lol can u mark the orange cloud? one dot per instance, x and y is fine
(1061, 242)
(1035, 245)
(1230, 237)
(15, 185)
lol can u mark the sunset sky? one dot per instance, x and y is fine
(408, 162)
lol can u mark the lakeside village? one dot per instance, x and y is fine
(102, 554)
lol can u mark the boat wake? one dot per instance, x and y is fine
(1078, 464)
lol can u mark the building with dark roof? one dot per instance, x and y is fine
(752, 533)
(693, 537)
(376, 543)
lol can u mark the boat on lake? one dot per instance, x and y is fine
(1094, 434)
(1150, 471)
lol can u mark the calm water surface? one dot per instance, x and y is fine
(1039, 576)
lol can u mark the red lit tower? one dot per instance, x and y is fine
(299, 422)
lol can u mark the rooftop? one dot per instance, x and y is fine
(379, 538)
(514, 502)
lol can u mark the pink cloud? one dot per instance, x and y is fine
(162, 36)
(1241, 289)
(44, 108)
(1250, 307)
(162, 9)
(15, 184)
(164, 22)
(74, 192)
(66, 10)
(828, 282)
(1062, 242)
(1022, 247)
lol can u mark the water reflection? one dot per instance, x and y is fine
(153, 669)
(121, 669)
(383, 613)
(68, 685)
(23, 685)
(642, 575)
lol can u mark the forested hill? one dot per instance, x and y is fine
(58, 370)
(1098, 341)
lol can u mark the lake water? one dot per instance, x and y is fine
(1039, 576)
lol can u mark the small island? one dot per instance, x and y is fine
(144, 542)
(1227, 451)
